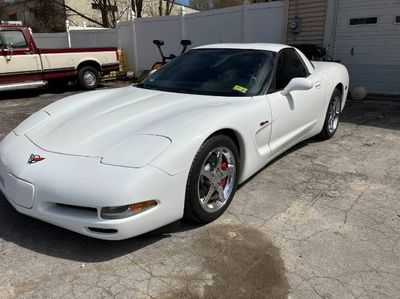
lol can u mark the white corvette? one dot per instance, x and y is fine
(117, 163)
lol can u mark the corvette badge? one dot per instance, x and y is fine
(34, 159)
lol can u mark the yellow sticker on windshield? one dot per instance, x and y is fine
(240, 88)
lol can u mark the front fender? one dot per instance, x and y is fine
(178, 157)
(243, 119)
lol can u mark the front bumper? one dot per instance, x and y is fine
(69, 191)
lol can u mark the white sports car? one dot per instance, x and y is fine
(117, 163)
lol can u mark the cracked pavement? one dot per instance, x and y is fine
(321, 221)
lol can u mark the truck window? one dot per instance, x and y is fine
(14, 38)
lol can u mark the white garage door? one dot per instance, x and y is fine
(367, 41)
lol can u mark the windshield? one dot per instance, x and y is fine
(220, 72)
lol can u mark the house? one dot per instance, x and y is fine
(34, 14)
(122, 10)
(50, 16)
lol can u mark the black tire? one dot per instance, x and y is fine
(89, 77)
(327, 132)
(194, 212)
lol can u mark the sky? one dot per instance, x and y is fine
(184, 2)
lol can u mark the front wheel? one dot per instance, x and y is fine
(89, 77)
(212, 180)
(332, 116)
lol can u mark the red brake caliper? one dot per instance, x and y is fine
(224, 166)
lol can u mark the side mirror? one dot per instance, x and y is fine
(297, 84)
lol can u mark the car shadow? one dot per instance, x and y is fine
(289, 151)
(54, 241)
(36, 92)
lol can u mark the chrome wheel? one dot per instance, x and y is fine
(90, 79)
(333, 114)
(217, 179)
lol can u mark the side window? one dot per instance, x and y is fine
(289, 66)
(15, 39)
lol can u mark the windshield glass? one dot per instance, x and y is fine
(220, 72)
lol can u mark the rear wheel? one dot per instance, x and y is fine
(332, 116)
(212, 180)
(89, 77)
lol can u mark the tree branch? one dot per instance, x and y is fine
(78, 13)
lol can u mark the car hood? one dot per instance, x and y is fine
(90, 124)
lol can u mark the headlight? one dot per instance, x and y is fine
(137, 151)
(31, 122)
(127, 211)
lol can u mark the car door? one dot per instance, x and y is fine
(294, 115)
(18, 62)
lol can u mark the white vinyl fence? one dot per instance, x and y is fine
(84, 38)
(94, 38)
(263, 22)
(51, 40)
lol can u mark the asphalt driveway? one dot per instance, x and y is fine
(322, 221)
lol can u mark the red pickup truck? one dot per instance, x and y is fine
(24, 65)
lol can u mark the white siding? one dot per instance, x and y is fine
(370, 52)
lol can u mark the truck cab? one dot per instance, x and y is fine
(24, 65)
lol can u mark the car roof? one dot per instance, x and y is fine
(260, 46)
(248, 46)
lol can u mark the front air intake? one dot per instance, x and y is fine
(103, 230)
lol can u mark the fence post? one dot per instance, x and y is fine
(182, 23)
(244, 22)
(68, 33)
(135, 54)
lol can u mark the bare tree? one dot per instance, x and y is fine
(137, 7)
(48, 16)
(108, 10)
(67, 7)
(213, 4)
(169, 5)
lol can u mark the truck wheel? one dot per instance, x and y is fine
(88, 77)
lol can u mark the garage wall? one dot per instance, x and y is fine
(371, 52)
(312, 17)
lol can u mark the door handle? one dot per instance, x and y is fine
(318, 84)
